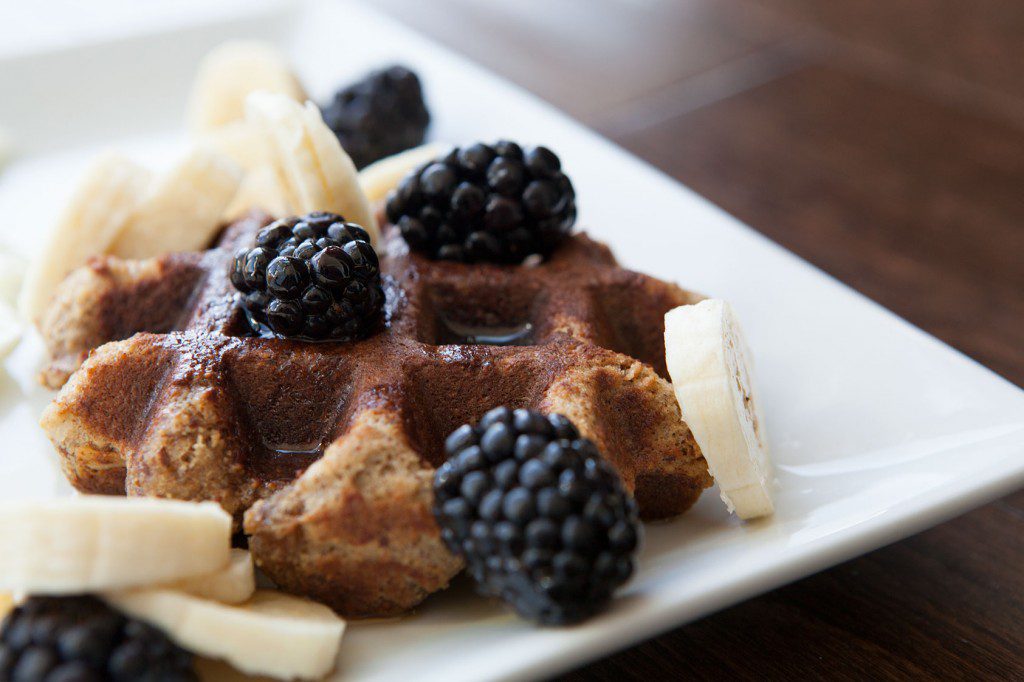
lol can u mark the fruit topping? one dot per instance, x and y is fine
(99, 208)
(707, 358)
(543, 521)
(60, 639)
(232, 584)
(229, 73)
(310, 170)
(497, 203)
(108, 543)
(378, 116)
(380, 177)
(272, 633)
(313, 277)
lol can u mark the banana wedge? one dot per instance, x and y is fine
(259, 189)
(313, 170)
(233, 584)
(76, 545)
(271, 634)
(239, 140)
(228, 74)
(182, 209)
(106, 196)
(706, 356)
(6, 604)
(380, 177)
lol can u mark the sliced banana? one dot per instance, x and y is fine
(240, 140)
(106, 196)
(182, 209)
(6, 604)
(271, 634)
(313, 170)
(382, 176)
(231, 585)
(229, 73)
(707, 360)
(260, 189)
(83, 544)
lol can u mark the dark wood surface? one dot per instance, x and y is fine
(884, 142)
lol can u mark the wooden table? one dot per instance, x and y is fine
(884, 142)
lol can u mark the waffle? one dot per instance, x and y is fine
(325, 452)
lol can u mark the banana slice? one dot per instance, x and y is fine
(231, 585)
(75, 545)
(382, 176)
(6, 604)
(260, 189)
(97, 212)
(706, 356)
(181, 211)
(239, 140)
(229, 73)
(271, 634)
(313, 170)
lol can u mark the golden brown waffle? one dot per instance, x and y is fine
(327, 451)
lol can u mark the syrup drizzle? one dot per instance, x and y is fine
(285, 461)
(457, 333)
(298, 449)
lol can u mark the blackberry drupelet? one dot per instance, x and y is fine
(81, 639)
(541, 518)
(497, 203)
(313, 277)
(380, 115)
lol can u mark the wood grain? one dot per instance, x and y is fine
(903, 175)
(917, 204)
(978, 42)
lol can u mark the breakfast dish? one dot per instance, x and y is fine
(448, 377)
(259, 411)
(876, 430)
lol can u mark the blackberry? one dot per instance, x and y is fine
(541, 518)
(313, 277)
(380, 115)
(81, 639)
(495, 203)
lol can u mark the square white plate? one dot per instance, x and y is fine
(877, 429)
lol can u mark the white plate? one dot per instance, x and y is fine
(877, 429)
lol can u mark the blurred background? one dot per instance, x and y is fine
(884, 142)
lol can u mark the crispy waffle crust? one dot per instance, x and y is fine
(325, 452)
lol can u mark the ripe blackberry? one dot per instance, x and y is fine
(313, 277)
(541, 518)
(380, 115)
(81, 639)
(494, 203)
